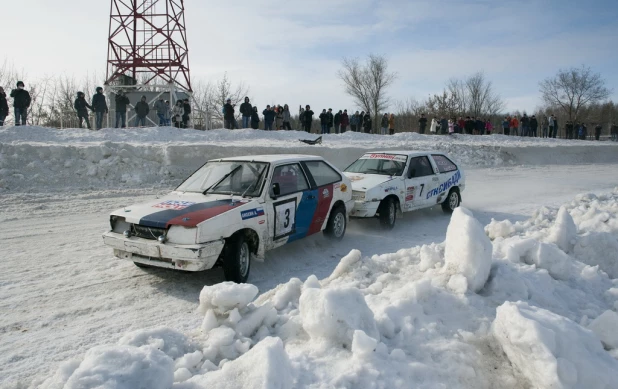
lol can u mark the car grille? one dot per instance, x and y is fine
(147, 232)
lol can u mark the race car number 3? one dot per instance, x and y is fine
(285, 222)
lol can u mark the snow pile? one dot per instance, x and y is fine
(551, 350)
(513, 312)
(43, 158)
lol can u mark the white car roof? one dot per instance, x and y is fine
(272, 158)
(406, 152)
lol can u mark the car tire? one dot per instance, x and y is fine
(337, 224)
(388, 213)
(453, 200)
(237, 259)
(143, 265)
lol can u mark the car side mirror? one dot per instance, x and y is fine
(276, 190)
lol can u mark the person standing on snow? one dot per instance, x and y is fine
(186, 117)
(21, 103)
(451, 126)
(141, 111)
(514, 125)
(255, 119)
(331, 119)
(391, 124)
(337, 121)
(323, 121)
(278, 117)
(287, 117)
(597, 131)
(488, 127)
(555, 126)
(433, 128)
(384, 124)
(443, 126)
(177, 113)
(121, 109)
(614, 132)
(99, 106)
(308, 118)
(4, 106)
(161, 108)
(368, 123)
(525, 125)
(345, 121)
(228, 115)
(269, 118)
(354, 120)
(246, 110)
(479, 126)
(505, 125)
(422, 124)
(534, 126)
(81, 106)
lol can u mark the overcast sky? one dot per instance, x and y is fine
(290, 51)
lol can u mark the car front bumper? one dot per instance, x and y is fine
(172, 256)
(365, 208)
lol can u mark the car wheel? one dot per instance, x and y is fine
(237, 259)
(337, 223)
(142, 265)
(452, 201)
(388, 213)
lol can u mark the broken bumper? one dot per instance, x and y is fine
(365, 208)
(151, 252)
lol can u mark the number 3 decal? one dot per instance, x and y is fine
(285, 218)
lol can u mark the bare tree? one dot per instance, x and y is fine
(224, 90)
(573, 89)
(367, 83)
(481, 98)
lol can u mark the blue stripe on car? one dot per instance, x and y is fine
(304, 214)
(161, 218)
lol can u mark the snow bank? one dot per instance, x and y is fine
(467, 252)
(45, 159)
(469, 312)
(552, 351)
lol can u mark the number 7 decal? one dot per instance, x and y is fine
(422, 188)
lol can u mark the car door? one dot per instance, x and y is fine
(288, 209)
(420, 181)
(324, 181)
(448, 176)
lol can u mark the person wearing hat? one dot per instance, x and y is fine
(338, 122)
(255, 119)
(178, 112)
(21, 102)
(81, 106)
(185, 118)
(269, 118)
(161, 109)
(4, 107)
(345, 121)
(228, 115)
(323, 122)
(99, 106)
(141, 110)
(121, 109)
(246, 110)
(307, 118)
(534, 126)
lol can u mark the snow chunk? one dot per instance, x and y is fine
(226, 296)
(431, 255)
(502, 229)
(555, 261)
(598, 248)
(265, 366)
(123, 367)
(287, 293)
(363, 345)
(564, 231)
(468, 250)
(173, 343)
(606, 328)
(550, 350)
(345, 264)
(334, 314)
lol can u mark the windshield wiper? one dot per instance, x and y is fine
(254, 182)
(222, 179)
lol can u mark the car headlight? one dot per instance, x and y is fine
(357, 195)
(182, 235)
(119, 224)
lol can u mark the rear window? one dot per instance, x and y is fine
(322, 173)
(445, 165)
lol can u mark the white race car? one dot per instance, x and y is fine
(388, 182)
(232, 209)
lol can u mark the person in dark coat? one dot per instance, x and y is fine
(121, 109)
(330, 120)
(269, 118)
(469, 125)
(99, 106)
(569, 129)
(4, 107)
(141, 111)
(81, 106)
(324, 122)
(479, 126)
(534, 126)
(307, 118)
(345, 121)
(246, 110)
(338, 122)
(525, 125)
(597, 131)
(185, 118)
(228, 115)
(555, 126)
(422, 124)
(367, 123)
(444, 126)
(21, 103)
(255, 119)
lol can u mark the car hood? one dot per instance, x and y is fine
(181, 209)
(364, 182)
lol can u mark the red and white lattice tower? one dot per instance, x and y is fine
(148, 46)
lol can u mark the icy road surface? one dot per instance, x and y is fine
(62, 292)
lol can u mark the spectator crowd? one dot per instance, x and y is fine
(280, 118)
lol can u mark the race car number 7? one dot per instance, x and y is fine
(422, 187)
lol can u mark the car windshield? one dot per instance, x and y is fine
(227, 177)
(382, 164)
